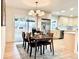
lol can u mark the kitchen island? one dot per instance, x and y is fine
(70, 40)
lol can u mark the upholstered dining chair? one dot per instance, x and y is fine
(34, 44)
(47, 42)
(24, 39)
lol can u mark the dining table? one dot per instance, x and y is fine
(42, 38)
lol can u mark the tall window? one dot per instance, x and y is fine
(54, 22)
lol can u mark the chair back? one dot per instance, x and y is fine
(23, 35)
(24, 38)
(29, 36)
(50, 34)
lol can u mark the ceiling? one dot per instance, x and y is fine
(55, 7)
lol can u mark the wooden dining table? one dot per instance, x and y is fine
(43, 38)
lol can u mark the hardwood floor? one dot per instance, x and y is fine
(11, 51)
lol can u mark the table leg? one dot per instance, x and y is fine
(43, 49)
(40, 50)
(35, 49)
(52, 46)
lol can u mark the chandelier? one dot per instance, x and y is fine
(36, 12)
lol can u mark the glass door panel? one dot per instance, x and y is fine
(21, 25)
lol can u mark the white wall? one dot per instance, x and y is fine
(3, 41)
(10, 14)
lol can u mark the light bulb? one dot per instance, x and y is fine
(37, 11)
(30, 13)
(42, 13)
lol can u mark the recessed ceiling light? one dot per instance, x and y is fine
(71, 9)
(71, 15)
(63, 11)
(56, 12)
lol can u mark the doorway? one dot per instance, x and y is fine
(45, 25)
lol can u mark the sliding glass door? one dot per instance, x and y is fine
(21, 25)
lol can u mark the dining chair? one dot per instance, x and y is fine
(24, 40)
(33, 43)
(47, 42)
(52, 44)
